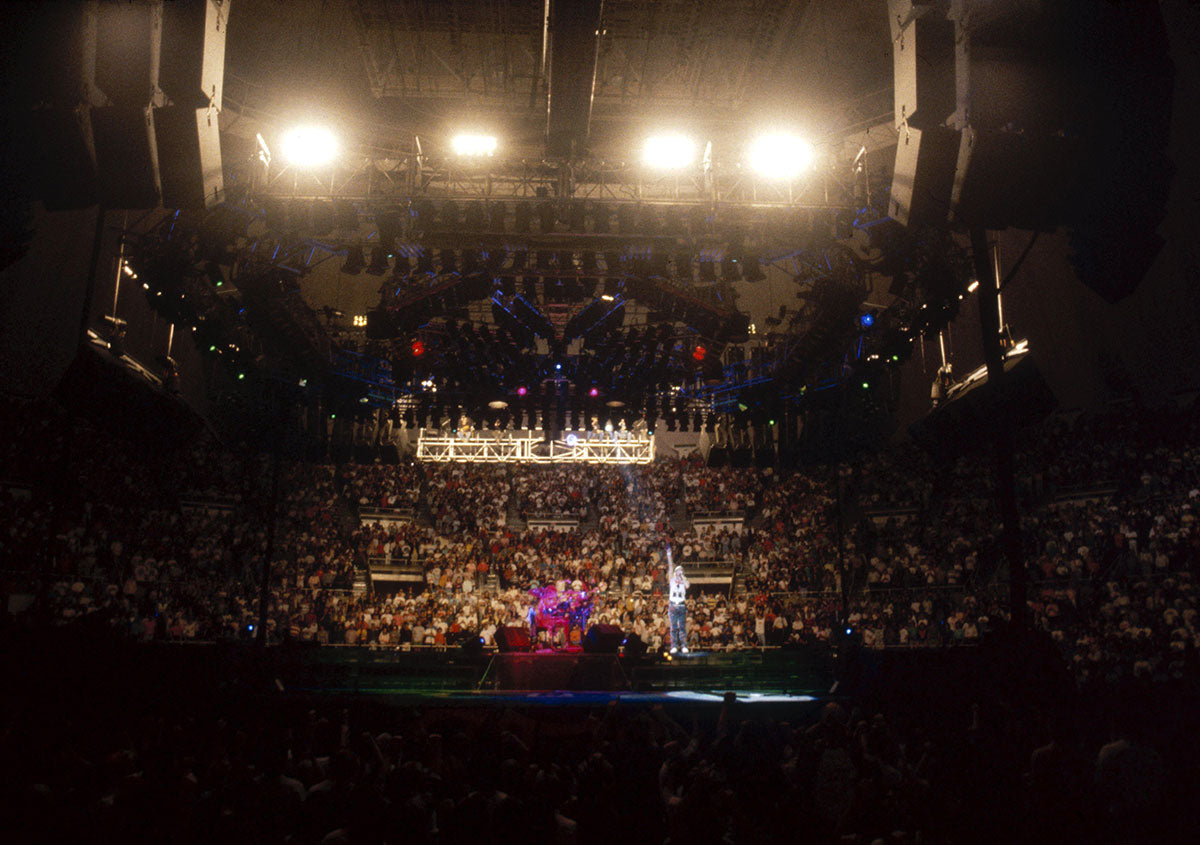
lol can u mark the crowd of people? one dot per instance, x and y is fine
(888, 551)
(201, 771)
(900, 550)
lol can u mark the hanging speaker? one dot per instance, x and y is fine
(46, 79)
(923, 62)
(923, 177)
(192, 69)
(128, 46)
(189, 157)
(126, 157)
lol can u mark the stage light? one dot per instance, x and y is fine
(521, 391)
(699, 352)
(867, 320)
(594, 392)
(781, 156)
(309, 146)
(866, 385)
(558, 366)
(572, 440)
(974, 286)
(418, 348)
(669, 152)
(474, 145)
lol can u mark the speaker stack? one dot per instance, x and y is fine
(120, 102)
(923, 58)
(1035, 115)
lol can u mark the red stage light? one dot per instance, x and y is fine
(521, 391)
(418, 348)
(699, 352)
(594, 392)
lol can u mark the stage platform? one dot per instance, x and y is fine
(545, 678)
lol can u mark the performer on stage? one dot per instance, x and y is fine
(677, 606)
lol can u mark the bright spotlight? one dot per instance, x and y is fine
(474, 145)
(309, 146)
(781, 156)
(669, 152)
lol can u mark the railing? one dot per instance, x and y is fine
(208, 505)
(1097, 491)
(549, 523)
(557, 514)
(17, 489)
(393, 569)
(710, 571)
(485, 447)
(899, 514)
(374, 513)
(721, 515)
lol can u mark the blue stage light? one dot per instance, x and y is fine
(867, 320)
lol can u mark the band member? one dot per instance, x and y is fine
(677, 606)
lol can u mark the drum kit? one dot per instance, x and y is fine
(555, 610)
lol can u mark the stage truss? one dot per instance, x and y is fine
(497, 447)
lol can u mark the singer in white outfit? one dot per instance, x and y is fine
(677, 606)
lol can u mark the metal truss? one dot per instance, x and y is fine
(401, 177)
(617, 447)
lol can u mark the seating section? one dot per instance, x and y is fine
(777, 558)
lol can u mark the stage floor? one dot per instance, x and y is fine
(564, 678)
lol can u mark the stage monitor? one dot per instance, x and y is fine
(603, 639)
(512, 638)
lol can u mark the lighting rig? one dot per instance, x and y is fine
(567, 316)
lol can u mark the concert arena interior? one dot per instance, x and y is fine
(590, 421)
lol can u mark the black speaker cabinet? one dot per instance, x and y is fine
(128, 46)
(189, 157)
(923, 176)
(193, 58)
(603, 639)
(126, 156)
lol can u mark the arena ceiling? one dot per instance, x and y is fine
(421, 67)
(712, 260)
(397, 79)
